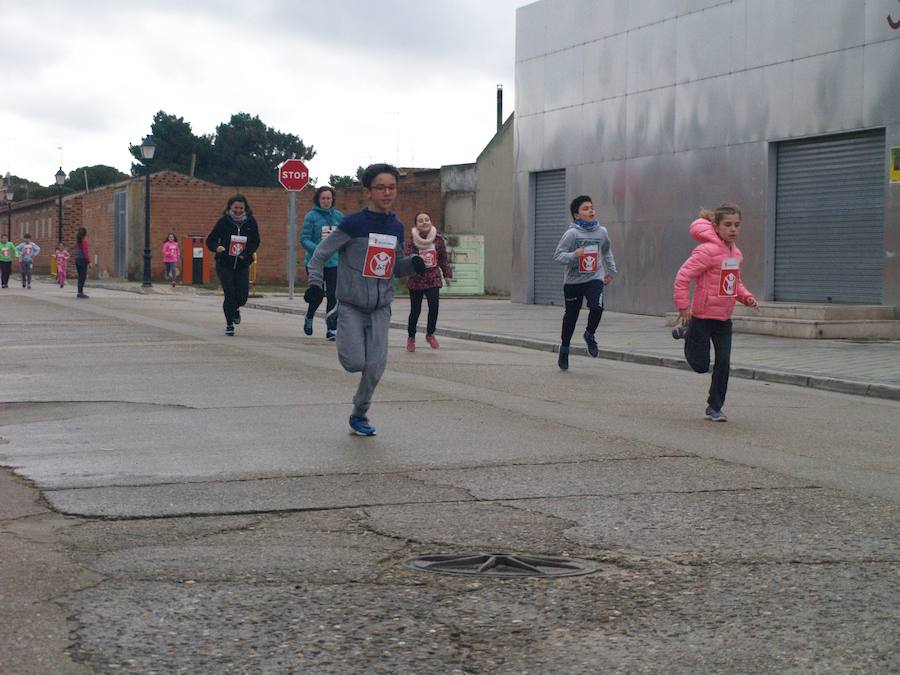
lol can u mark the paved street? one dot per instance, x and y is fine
(181, 501)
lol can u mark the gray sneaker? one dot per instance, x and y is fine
(680, 331)
(715, 415)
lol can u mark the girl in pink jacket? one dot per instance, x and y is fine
(62, 259)
(715, 266)
(171, 255)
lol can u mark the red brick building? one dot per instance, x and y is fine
(114, 218)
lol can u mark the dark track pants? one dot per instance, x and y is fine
(236, 286)
(575, 295)
(696, 350)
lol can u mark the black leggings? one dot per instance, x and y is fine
(236, 286)
(81, 268)
(696, 351)
(330, 278)
(415, 308)
(575, 294)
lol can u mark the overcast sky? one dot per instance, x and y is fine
(410, 81)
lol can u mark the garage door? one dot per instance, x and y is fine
(829, 220)
(551, 219)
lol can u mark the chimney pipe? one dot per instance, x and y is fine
(499, 106)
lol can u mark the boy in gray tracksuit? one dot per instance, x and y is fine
(26, 252)
(585, 251)
(369, 245)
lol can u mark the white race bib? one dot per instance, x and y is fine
(728, 277)
(238, 244)
(381, 255)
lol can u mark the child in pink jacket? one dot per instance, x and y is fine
(62, 259)
(715, 266)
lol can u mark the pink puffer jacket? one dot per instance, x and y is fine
(716, 267)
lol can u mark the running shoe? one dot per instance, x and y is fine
(237, 317)
(229, 329)
(307, 326)
(680, 332)
(360, 426)
(410, 344)
(591, 345)
(563, 360)
(715, 415)
(431, 340)
(330, 334)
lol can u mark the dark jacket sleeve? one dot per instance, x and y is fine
(252, 240)
(213, 238)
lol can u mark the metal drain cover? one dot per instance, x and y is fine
(502, 565)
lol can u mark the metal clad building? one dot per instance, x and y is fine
(788, 108)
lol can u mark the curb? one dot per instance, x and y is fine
(885, 391)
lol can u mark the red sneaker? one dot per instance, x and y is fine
(430, 339)
(410, 344)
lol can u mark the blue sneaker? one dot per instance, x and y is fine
(330, 334)
(563, 360)
(307, 326)
(591, 344)
(229, 329)
(360, 426)
(714, 415)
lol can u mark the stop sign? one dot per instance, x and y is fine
(293, 175)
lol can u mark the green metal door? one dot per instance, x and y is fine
(467, 260)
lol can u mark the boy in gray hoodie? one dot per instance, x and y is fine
(370, 252)
(585, 251)
(26, 251)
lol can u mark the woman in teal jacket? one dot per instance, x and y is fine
(321, 221)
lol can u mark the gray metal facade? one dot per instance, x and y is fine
(829, 219)
(550, 222)
(657, 107)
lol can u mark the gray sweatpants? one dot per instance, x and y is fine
(362, 346)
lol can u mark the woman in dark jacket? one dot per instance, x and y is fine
(234, 239)
(82, 260)
(427, 242)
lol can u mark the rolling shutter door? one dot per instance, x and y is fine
(550, 221)
(829, 219)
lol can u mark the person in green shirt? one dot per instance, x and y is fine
(7, 253)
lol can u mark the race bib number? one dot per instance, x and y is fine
(238, 244)
(326, 230)
(27, 250)
(728, 277)
(429, 256)
(590, 259)
(381, 255)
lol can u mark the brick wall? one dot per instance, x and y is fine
(188, 206)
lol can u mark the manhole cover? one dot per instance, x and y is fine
(502, 565)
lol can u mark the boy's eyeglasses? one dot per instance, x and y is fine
(384, 188)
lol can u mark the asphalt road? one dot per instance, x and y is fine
(189, 502)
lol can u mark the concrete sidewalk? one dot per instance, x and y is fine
(859, 367)
(864, 368)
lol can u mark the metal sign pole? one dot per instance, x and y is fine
(292, 244)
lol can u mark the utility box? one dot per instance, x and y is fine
(466, 253)
(197, 261)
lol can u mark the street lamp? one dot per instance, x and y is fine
(9, 201)
(60, 179)
(148, 149)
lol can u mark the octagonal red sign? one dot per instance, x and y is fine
(293, 175)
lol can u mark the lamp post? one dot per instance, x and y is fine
(9, 201)
(60, 179)
(148, 149)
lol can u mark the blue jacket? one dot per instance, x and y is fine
(311, 236)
